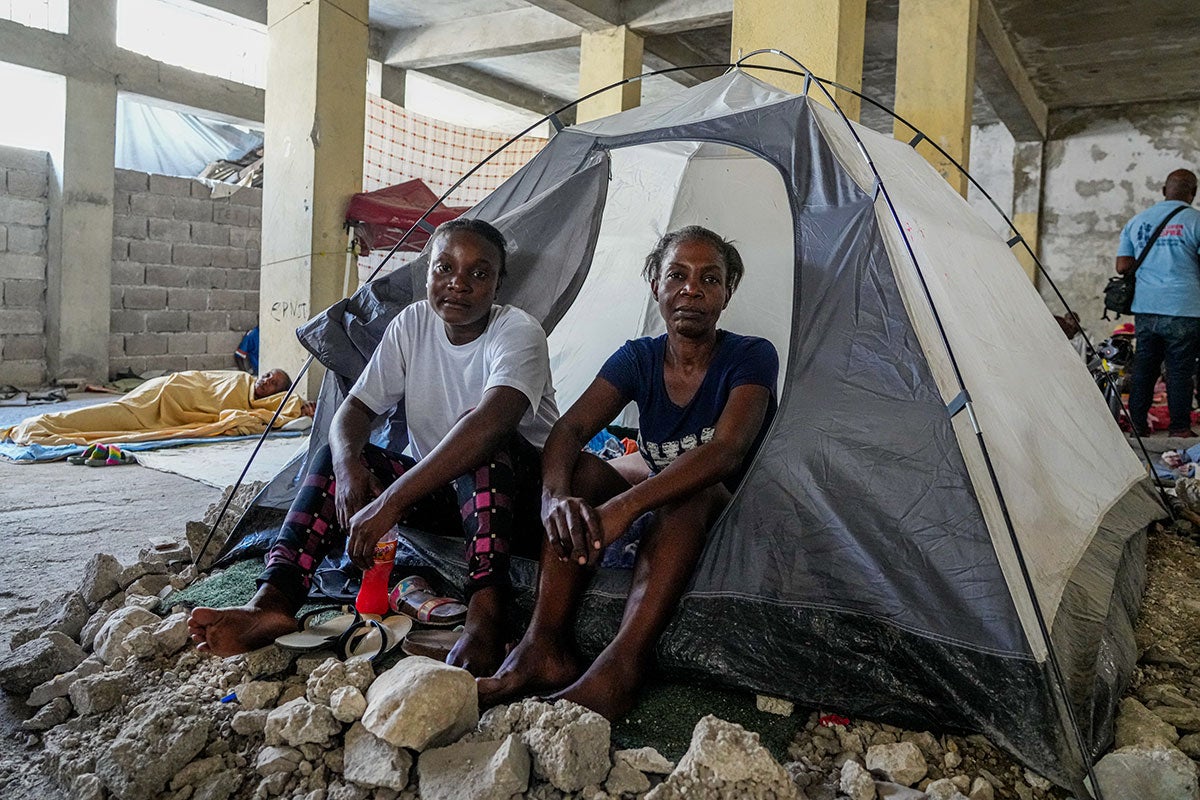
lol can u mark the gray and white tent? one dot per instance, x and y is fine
(943, 501)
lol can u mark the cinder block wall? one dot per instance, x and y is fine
(185, 273)
(24, 185)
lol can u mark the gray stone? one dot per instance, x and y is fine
(157, 742)
(301, 722)
(901, 763)
(220, 786)
(263, 662)
(333, 674)
(1164, 694)
(87, 636)
(624, 779)
(981, 789)
(272, 760)
(100, 579)
(475, 770)
(67, 613)
(249, 723)
(1137, 725)
(886, 790)
(140, 642)
(1148, 773)
(568, 743)
(58, 685)
(196, 772)
(348, 704)
(254, 695)
(38, 661)
(55, 712)
(98, 693)
(1190, 746)
(725, 760)
(944, 789)
(135, 571)
(1184, 719)
(172, 634)
(148, 585)
(855, 782)
(87, 787)
(421, 703)
(142, 601)
(370, 761)
(644, 759)
(110, 639)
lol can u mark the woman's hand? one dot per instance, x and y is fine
(573, 528)
(366, 528)
(356, 487)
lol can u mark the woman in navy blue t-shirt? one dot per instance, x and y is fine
(705, 398)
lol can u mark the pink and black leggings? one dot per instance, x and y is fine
(494, 505)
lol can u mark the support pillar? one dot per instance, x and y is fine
(935, 79)
(824, 35)
(316, 70)
(80, 234)
(393, 82)
(605, 57)
(1027, 201)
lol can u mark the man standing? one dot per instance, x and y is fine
(1166, 302)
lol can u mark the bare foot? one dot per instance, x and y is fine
(538, 663)
(230, 631)
(609, 687)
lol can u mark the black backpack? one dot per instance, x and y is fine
(1118, 292)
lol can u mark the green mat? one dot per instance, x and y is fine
(663, 719)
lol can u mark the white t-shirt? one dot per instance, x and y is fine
(439, 382)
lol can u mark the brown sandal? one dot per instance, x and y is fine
(413, 596)
(433, 644)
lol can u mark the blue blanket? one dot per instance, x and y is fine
(35, 453)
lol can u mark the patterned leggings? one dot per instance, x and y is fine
(492, 503)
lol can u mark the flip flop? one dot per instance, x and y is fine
(374, 638)
(435, 644)
(320, 634)
(414, 597)
(86, 454)
(110, 457)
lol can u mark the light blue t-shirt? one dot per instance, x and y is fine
(1168, 282)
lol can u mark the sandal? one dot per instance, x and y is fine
(82, 458)
(414, 597)
(321, 634)
(109, 456)
(433, 644)
(374, 638)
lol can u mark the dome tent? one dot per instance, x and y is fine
(943, 526)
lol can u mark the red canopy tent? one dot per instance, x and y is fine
(381, 217)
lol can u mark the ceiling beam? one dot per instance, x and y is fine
(505, 33)
(590, 15)
(1004, 80)
(253, 10)
(657, 17)
(663, 52)
(493, 89)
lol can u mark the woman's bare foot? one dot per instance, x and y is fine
(230, 631)
(609, 687)
(537, 663)
(481, 647)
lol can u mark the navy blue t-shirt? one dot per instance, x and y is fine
(665, 429)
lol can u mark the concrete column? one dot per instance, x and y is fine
(80, 240)
(316, 93)
(824, 35)
(935, 78)
(392, 84)
(1027, 201)
(606, 57)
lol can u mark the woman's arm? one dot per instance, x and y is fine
(349, 432)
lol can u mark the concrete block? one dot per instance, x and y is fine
(187, 344)
(206, 321)
(193, 210)
(225, 300)
(167, 362)
(22, 211)
(145, 297)
(121, 203)
(26, 239)
(244, 279)
(256, 217)
(201, 190)
(152, 205)
(25, 348)
(131, 181)
(243, 320)
(150, 252)
(228, 214)
(129, 226)
(134, 364)
(166, 184)
(123, 321)
(28, 184)
(207, 278)
(170, 230)
(166, 275)
(126, 273)
(116, 297)
(229, 257)
(28, 374)
(245, 237)
(3, 238)
(224, 342)
(22, 158)
(20, 320)
(146, 344)
(20, 265)
(120, 248)
(247, 196)
(187, 299)
(116, 346)
(252, 257)
(166, 322)
(211, 361)
(210, 233)
(24, 294)
(192, 255)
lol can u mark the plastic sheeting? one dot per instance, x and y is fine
(163, 141)
(382, 217)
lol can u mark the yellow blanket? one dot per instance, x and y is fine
(184, 404)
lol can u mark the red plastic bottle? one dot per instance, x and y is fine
(373, 594)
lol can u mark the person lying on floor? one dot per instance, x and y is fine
(192, 403)
(474, 378)
(705, 397)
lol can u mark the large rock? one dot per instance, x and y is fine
(902, 762)
(67, 613)
(87, 636)
(568, 743)
(254, 695)
(421, 703)
(1138, 725)
(301, 722)
(98, 693)
(100, 579)
(644, 759)
(52, 713)
(624, 779)
(172, 634)
(157, 742)
(725, 761)
(1148, 773)
(1184, 719)
(855, 782)
(58, 685)
(333, 674)
(370, 761)
(473, 770)
(348, 704)
(38, 661)
(110, 640)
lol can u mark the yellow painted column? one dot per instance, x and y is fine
(1027, 202)
(824, 35)
(935, 78)
(606, 57)
(316, 95)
